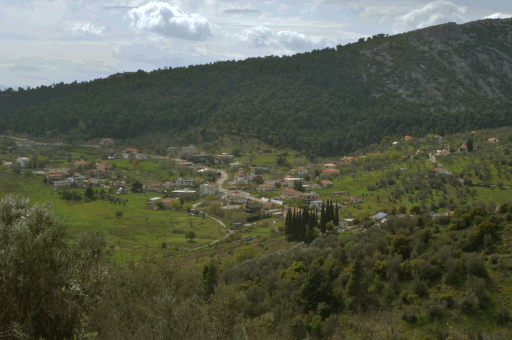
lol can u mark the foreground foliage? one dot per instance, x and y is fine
(377, 284)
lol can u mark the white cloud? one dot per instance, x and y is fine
(434, 13)
(171, 21)
(300, 42)
(258, 36)
(85, 28)
(261, 36)
(498, 16)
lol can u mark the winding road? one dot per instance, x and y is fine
(220, 182)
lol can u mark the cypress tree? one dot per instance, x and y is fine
(323, 220)
(355, 287)
(288, 222)
(210, 279)
(336, 216)
(470, 144)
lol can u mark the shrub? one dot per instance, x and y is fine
(469, 302)
(494, 258)
(178, 231)
(475, 265)
(409, 314)
(448, 300)
(433, 309)
(476, 285)
(503, 316)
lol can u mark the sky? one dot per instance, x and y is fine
(43, 42)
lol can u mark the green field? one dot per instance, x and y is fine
(139, 232)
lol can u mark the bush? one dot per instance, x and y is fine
(178, 231)
(494, 258)
(409, 314)
(475, 265)
(469, 302)
(503, 316)
(447, 300)
(433, 309)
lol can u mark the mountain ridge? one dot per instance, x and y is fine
(442, 79)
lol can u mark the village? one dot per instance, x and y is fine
(207, 179)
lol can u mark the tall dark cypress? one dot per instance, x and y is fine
(288, 222)
(323, 220)
(336, 216)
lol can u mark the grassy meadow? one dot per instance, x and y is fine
(139, 232)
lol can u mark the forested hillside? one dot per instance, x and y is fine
(443, 79)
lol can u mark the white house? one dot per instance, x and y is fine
(441, 171)
(182, 183)
(291, 181)
(241, 177)
(266, 187)
(189, 150)
(23, 161)
(208, 189)
(309, 196)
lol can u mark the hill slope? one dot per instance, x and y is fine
(443, 79)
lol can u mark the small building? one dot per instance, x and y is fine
(23, 161)
(246, 238)
(290, 182)
(493, 140)
(106, 141)
(80, 165)
(208, 189)
(380, 216)
(241, 177)
(441, 171)
(184, 183)
(463, 147)
(253, 207)
(301, 172)
(189, 150)
(328, 166)
(141, 156)
(223, 158)
(153, 200)
(167, 202)
(24, 143)
(316, 204)
(185, 193)
(56, 146)
(155, 186)
(355, 199)
(326, 184)
(308, 196)
(7, 164)
(290, 194)
(408, 138)
(266, 187)
(331, 171)
(50, 178)
(62, 184)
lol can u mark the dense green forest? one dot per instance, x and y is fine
(443, 79)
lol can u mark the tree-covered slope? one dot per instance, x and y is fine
(441, 79)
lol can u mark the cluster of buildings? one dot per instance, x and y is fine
(81, 174)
